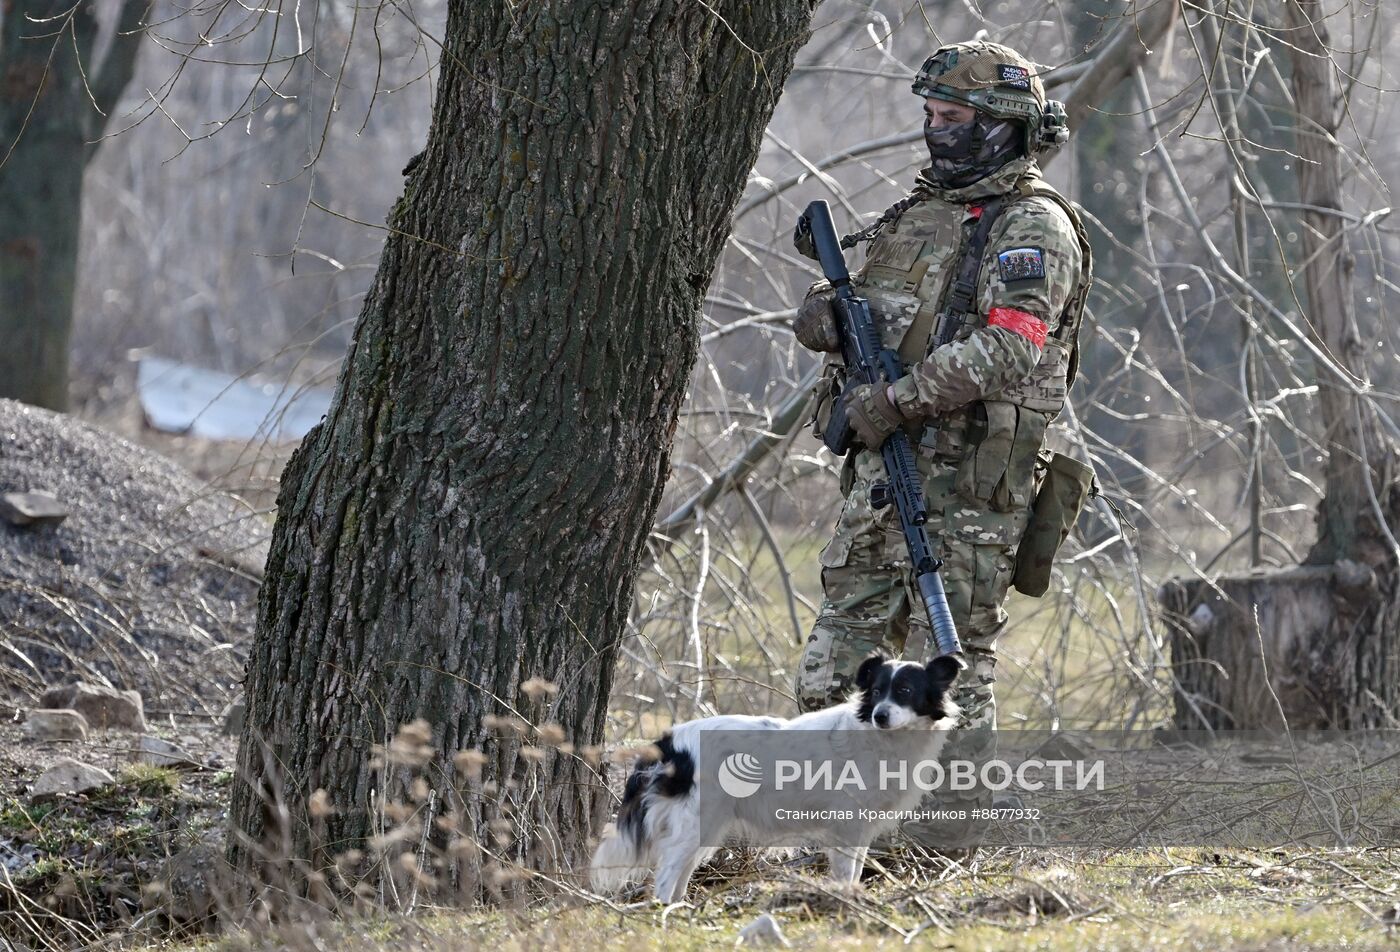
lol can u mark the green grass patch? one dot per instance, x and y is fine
(147, 780)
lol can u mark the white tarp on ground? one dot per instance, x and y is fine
(179, 398)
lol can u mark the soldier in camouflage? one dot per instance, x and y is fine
(976, 408)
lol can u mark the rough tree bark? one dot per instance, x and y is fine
(54, 107)
(471, 512)
(1325, 634)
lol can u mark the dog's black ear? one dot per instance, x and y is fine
(943, 671)
(865, 676)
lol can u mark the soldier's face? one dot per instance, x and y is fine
(939, 113)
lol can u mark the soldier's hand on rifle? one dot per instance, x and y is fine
(872, 414)
(815, 324)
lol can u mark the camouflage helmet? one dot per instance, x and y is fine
(998, 81)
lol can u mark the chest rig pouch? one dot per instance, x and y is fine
(911, 279)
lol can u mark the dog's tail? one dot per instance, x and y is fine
(625, 853)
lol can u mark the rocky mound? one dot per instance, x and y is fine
(149, 583)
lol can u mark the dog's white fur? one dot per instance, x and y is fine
(669, 839)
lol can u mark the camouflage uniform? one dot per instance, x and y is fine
(991, 393)
(978, 406)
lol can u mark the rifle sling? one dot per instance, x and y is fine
(961, 297)
(957, 297)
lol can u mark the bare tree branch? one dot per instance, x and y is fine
(1130, 44)
(117, 69)
(785, 421)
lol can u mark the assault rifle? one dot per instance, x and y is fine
(867, 362)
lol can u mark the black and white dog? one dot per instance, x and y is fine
(658, 825)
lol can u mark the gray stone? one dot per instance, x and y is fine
(103, 707)
(68, 776)
(32, 509)
(234, 714)
(762, 931)
(16, 855)
(56, 724)
(161, 753)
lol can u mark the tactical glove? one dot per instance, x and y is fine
(802, 238)
(871, 414)
(815, 324)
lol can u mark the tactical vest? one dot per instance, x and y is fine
(908, 278)
(908, 274)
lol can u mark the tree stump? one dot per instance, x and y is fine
(1310, 645)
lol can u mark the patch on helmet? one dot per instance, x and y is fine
(1009, 74)
(1021, 264)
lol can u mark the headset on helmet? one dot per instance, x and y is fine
(1000, 82)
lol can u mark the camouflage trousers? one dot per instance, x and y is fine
(870, 603)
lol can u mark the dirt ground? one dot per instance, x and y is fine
(136, 864)
(135, 857)
(21, 760)
(149, 583)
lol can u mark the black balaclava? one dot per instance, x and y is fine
(971, 150)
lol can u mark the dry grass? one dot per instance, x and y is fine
(405, 889)
(1137, 900)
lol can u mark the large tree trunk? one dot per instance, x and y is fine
(53, 107)
(1332, 641)
(471, 513)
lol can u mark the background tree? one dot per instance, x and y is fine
(1353, 524)
(1316, 644)
(56, 99)
(471, 512)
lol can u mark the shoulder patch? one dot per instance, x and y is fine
(1021, 264)
(1009, 74)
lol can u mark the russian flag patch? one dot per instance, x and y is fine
(1021, 264)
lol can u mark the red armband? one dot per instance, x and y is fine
(1028, 326)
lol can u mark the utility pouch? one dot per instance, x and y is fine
(1063, 492)
(826, 394)
(998, 470)
(1045, 387)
